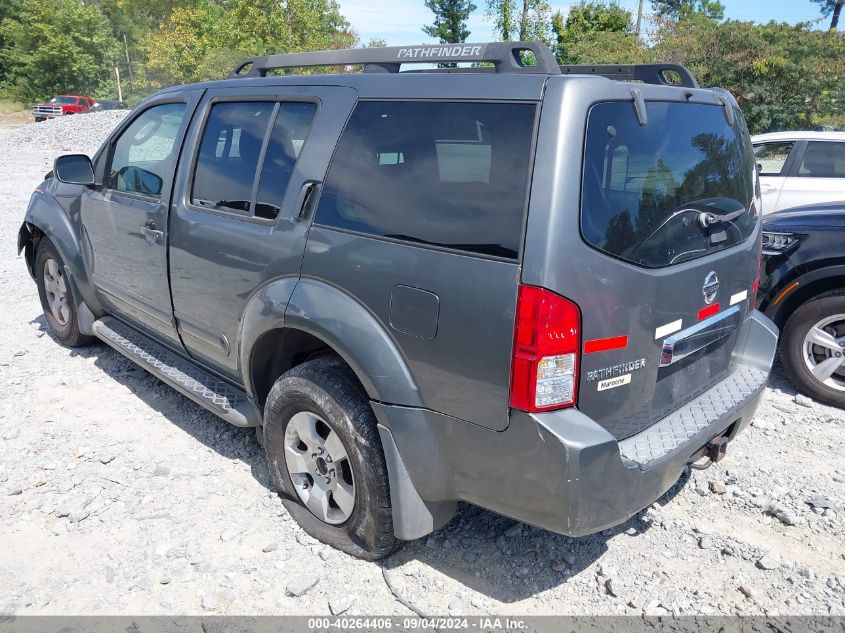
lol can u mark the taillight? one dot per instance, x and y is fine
(547, 340)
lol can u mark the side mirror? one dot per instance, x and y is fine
(74, 169)
(759, 168)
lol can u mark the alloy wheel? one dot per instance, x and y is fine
(823, 351)
(56, 290)
(319, 468)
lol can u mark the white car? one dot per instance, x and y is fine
(798, 168)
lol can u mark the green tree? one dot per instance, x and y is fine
(8, 11)
(450, 20)
(595, 32)
(205, 40)
(56, 46)
(525, 20)
(832, 8)
(689, 9)
(783, 76)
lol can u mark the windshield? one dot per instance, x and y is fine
(677, 188)
(64, 100)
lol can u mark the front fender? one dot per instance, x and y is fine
(46, 214)
(358, 336)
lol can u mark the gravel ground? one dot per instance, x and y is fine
(117, 495)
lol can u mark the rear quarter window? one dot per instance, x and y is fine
(645, 187)
(823, 159)
(451, 174)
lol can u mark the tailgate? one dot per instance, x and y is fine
(662, 254)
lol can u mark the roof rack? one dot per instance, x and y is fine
(506, 57)
(660, 74)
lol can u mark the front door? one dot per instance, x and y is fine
(125, 218)
(236, 225)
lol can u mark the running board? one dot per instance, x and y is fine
(211, 392)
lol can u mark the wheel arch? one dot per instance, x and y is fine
(46, 218)
(278, 335)
(290, 321)
(806, 287)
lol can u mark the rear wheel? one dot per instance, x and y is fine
(326, 460)
(56, 297)
(813, 349)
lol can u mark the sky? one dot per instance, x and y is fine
(400, 21)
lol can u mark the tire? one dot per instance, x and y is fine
(823, 315)
(323, 396)
(39, 119)
(61, 318)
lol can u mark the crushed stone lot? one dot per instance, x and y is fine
(118, 495)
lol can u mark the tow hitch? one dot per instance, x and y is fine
(712, 452)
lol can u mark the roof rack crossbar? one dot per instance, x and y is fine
(660, 74)
(506, 57)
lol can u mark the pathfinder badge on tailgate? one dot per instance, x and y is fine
(615, 371)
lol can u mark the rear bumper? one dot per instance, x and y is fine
(562, 471)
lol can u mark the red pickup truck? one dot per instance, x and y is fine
(61, 105)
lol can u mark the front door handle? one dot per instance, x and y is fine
(150, 233)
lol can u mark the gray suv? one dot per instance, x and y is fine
(517, 285)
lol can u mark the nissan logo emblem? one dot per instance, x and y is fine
(710, 288)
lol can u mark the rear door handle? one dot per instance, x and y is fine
(150, 233)
(308, 195)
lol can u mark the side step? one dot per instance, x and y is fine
(211, 392)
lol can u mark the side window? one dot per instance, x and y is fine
(290, 130)
(823, 159)
(772, 156)
(143, 156)
(445, 174)
(228, 155)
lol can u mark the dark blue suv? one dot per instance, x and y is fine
(804, 294)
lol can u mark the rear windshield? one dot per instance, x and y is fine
(677, 188)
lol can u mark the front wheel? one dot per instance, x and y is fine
(813, 349)
(56, 298)
(325, 458)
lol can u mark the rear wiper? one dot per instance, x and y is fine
(707, 219)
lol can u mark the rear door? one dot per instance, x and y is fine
(253, 152)
(772, 166)
(420, 220)
(653, 232)
(817, 177)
